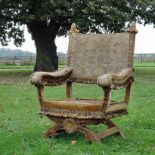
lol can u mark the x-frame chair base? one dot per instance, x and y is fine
(70, 125)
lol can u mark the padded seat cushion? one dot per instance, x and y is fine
(80, 108)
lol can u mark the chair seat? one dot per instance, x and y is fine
(82, 108)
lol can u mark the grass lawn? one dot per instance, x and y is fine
(11, 66)
(144, 64)
(22, 130)
(19, 67)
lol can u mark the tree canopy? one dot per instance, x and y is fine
(48, 18)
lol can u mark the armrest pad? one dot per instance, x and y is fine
(107, 80)
(51, 78)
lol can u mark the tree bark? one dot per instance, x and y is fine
(44, 37)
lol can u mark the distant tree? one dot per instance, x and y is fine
(46, 19)
(16, 52)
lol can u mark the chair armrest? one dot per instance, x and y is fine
(51, 78)
(114, 80)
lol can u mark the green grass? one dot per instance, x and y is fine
(14, 66)
(22, 130)
(144, 64)
(30, 67)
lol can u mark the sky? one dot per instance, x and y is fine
(145, 41)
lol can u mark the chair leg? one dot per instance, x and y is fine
(112, 129)
(57, 129)
(71, 126)
(90, 135)
(54, 131)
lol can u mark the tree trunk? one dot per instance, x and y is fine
(44, 37)
(46, 59)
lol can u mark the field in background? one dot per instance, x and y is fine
(62, 59)
(22, 130)
(27, 60)
(144, 64)
(29, 68)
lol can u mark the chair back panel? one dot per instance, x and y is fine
(92, 55)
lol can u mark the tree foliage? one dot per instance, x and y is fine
(54, 17)
(90, 15)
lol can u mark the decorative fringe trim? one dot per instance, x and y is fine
(81, 114)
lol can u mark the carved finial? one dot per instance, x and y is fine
(132, 28)
(74, 28)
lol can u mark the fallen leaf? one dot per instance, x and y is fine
(74, 141)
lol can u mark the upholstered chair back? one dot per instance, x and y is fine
(92, 55)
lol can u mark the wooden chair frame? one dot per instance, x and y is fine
(73, 115)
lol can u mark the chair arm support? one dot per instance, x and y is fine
(113, 80)
(51, 78)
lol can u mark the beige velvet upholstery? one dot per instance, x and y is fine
(38, 78)
(107, 80)
(92, 55)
